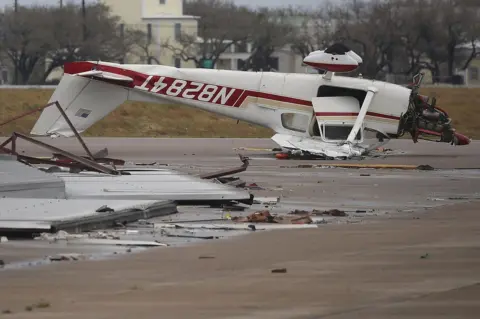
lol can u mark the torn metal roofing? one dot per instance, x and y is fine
(67, 214)
(33, 200)
(22, 181)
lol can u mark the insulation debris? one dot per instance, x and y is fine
(266, 217)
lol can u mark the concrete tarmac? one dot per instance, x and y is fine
(415, 254)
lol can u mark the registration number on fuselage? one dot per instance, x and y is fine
(191, 90)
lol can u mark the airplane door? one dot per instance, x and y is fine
(335, 117)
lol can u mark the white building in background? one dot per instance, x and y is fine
(162, 20)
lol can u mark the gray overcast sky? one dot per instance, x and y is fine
(242, 2)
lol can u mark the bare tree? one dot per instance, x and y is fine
(315, 30)
(443, 25)
(105, 39)
(371, 29)
(143, 47)
(270, 30)
(473, 34)
(221, 25)
(25, 41)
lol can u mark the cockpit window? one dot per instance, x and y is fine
(295, 121)
(339, 132)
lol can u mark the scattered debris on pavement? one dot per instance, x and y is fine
(364, 166)
(67, 257)
(253, 186)
(97, 238)
(266, 200)
(331, 212)
(266, 217)
(279, 271)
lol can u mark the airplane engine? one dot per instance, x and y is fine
(337, 58)
(425, 120)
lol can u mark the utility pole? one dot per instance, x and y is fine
(61, 4)
(84, 16)
(16, 64)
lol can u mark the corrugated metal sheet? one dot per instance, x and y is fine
(20, 180)
(161, 184)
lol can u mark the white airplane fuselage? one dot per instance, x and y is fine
(255, 97)
(309, 112)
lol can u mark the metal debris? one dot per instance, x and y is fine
(228, 171)
(266, 200)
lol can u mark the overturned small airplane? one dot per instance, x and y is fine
(312, 114)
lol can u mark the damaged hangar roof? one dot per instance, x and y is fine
(36, 200)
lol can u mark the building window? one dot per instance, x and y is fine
(162, 1)
(178, 63)
(473, 71)
(178, 31)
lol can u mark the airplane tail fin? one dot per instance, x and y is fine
(85, 102)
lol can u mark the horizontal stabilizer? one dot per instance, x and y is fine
(85, 102)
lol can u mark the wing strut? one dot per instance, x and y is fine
(361, 115)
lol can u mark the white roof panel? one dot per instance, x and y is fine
(162, 184)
